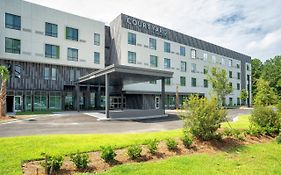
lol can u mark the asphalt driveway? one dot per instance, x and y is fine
(80, 123)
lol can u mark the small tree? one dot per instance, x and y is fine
(265, 95)
(220, 84)
(4, 76)
(243, 96)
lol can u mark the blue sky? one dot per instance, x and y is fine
(251, 27)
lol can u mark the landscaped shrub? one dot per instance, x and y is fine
(134, 151)
(278, 139)
(80, 160)
(236, 133)
(107, 153)
(52, 163)
(266, 118)
(186, 140)
(202, 117)
(152, 146)
(171, 144)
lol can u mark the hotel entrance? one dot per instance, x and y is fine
(13, 103)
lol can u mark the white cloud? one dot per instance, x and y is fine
(251, 27)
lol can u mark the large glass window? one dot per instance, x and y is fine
(96, 39)
(183, 66)
(153, 61)
(71, 33)
(167, 47)
(71, 75)
(193, 67)
(132, 57)
(55, 103)
(54, 73)
(152, 43)
(46, 73)
(28, 103)
(77, 74)
(69, 101)
(205, 83)
(52, 51)
(132, 38)
(40, 102)
(12, 21)
(182, 81)
(12, 45)
(51, 29)
(193, 53)
(72, 54)
(97, 58)
(167, 81)
(182, 51)
(193, 82)
(167, 63)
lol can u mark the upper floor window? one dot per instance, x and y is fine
(230, 74)
(238, 66)
(205, 57)
(193, 67)
(223, 61)
(12, 21)
(72, 54)
(96, 39)
(248, 67)
(153, 61)
(167, 47)
(205, 70)
(132, 38)
(238, 75)
(182, 51)
(51, 29)
(152, 43)
(205, 83)
(52, 51)
(167, 63)
(193, 82)
(12, 45)
(182, 81)
(97, 58)
(132, 57)
(46, 73)
(167, 81)
(54, 73)
(238, 86)
(183, 66)
(77, 74)
(229, 63)
(193, 53)
(214, 59)
(71, 33)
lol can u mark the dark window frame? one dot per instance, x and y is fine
(14, 49)
(71, 33)
(54, 29)
(15, 19)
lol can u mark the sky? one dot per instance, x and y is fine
(252, 27)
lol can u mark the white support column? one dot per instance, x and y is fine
(163, 94)
(107, 98)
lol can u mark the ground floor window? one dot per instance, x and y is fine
(40, 102)
(55, 103)
(68, 101)
(92, 100)
(28, 103)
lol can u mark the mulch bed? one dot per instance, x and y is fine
(97, 164)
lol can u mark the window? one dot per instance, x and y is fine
(153, 61)
(167, 47)
(71, 34)
(248, 77)
(205, 56)
(193, 67)
(238, 75)
(248, 67)
(17, 71)
(51, 29)
(132, 57)
(230, 84)
(230, 74)
(167, 63)
(54, 73)
(12, 21)
(238, 86)
(46, 73)
(52, 51)
(167, 81)
(97, 58)
(12, 45)
(193, 82)
(230, 101)
(152, 43)
(182, 81)
(205, 70)
(238, 66)
(205, 83)
(223, 61)
(238, 101)
(96, 39)
(77, 74)
(153, 82)
(193, 53)
(182, 51)
(183, 66)
(72, 54)
(132, 38)
(71, 74)
(55, 102)
(214, 59)
(229, 63)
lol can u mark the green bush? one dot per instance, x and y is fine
(236, 133)
(80, 160)
(266, 118)
(134, 151)
(171, 144)
(152, 146)
(278, 139)
(52, 163)
(186, 140)
(202, 117)
(107, 153)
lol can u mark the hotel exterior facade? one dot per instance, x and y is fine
(48, 52)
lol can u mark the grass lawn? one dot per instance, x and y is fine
(253, 159)
(34, 112)
(242, 123)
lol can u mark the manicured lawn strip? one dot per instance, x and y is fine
(17, 149)
(34, 113)
(242, 123)
(253, 159)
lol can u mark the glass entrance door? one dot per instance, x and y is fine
(17, 104)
